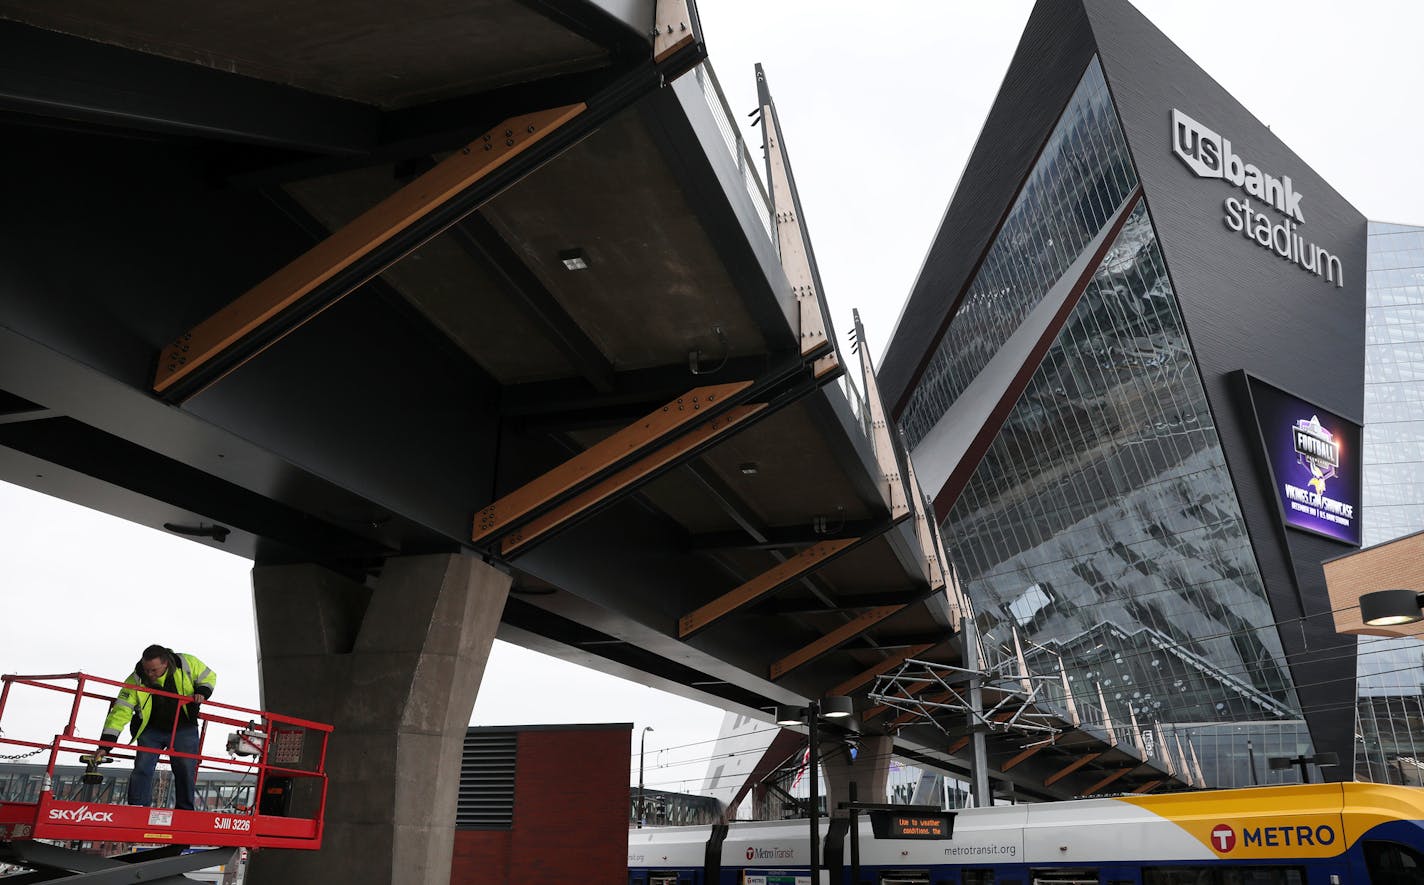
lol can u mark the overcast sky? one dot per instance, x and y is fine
(879, 111)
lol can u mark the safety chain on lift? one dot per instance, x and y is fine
(16, 757)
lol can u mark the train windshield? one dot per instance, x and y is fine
(1390, 863)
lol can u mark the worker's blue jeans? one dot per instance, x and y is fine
(185, 740)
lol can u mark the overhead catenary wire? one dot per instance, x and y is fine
(1360, 650)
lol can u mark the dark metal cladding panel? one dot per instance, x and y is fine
(168, 249)
(1245, 307)
(1056, 48)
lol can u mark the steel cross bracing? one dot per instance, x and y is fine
(928, 692)
(156, 866)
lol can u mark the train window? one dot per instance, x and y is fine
(904, 877)
(1067, 876)
(1216, 875)
(1390, 863)
(978, 877)
(1178, 876)
(663, 879)
(1262, 876)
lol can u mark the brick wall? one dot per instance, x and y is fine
(1393, 564)
(570, 814)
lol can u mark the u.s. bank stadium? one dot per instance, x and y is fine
(495, 319)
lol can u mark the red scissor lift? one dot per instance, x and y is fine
(286, 755)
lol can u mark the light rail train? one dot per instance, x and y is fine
(1314, 834)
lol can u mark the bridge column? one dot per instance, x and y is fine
(395, 668)
(869, 772)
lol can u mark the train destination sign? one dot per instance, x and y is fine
(893, 825)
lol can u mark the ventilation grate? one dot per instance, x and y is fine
(486, 800)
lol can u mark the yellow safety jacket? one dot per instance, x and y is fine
(190, 677)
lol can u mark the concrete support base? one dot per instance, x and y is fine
(395, 669)
(869, 772)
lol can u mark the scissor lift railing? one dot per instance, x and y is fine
(286, 755)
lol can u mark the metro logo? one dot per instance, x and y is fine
(754, 853)
(1223, 838)
(1281, 837)
(1259, 841)
(81, 815)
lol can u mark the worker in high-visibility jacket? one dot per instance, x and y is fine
(162, 723)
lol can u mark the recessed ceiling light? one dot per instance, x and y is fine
(750, 468)
(574, 259)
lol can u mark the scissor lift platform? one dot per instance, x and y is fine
(281, 752)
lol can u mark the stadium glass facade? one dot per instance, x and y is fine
(1391, 671)
(1102, 527)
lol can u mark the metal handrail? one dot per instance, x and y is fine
(737, 146)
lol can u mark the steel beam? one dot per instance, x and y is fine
(731, 504)
(879, 669)
(58, 76)
(1106, 781)
(802, 563)
(480, 239)
(777, 537)
(833, 640)
(842, 603)
(1070, 768)
(640, 437)
(1025, 755)
(372, 241)
(625, 478)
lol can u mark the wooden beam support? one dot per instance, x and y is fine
(802, 563)
(1105, 781)
(797, 259)
(879, 669)
(1025, 755)
(957, 745)
(339, 253)
(887, 454)
(837, 637)
(1148, 787)
(691, 407)
(673, 24)
(602, 491)
(1070, 768)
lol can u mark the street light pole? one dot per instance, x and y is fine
(833, 709)
(813, 761)
(642, 748)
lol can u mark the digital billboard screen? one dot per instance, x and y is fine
(1314, 459)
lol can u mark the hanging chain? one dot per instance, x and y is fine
(18, 756)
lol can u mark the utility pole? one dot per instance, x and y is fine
(642, 746)
(969, 632)
(813, 761)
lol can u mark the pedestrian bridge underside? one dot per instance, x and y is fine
(506, 279)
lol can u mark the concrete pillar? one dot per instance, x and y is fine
(870, 772)
(395, 667)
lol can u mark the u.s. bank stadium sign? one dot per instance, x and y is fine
(1210, 156)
